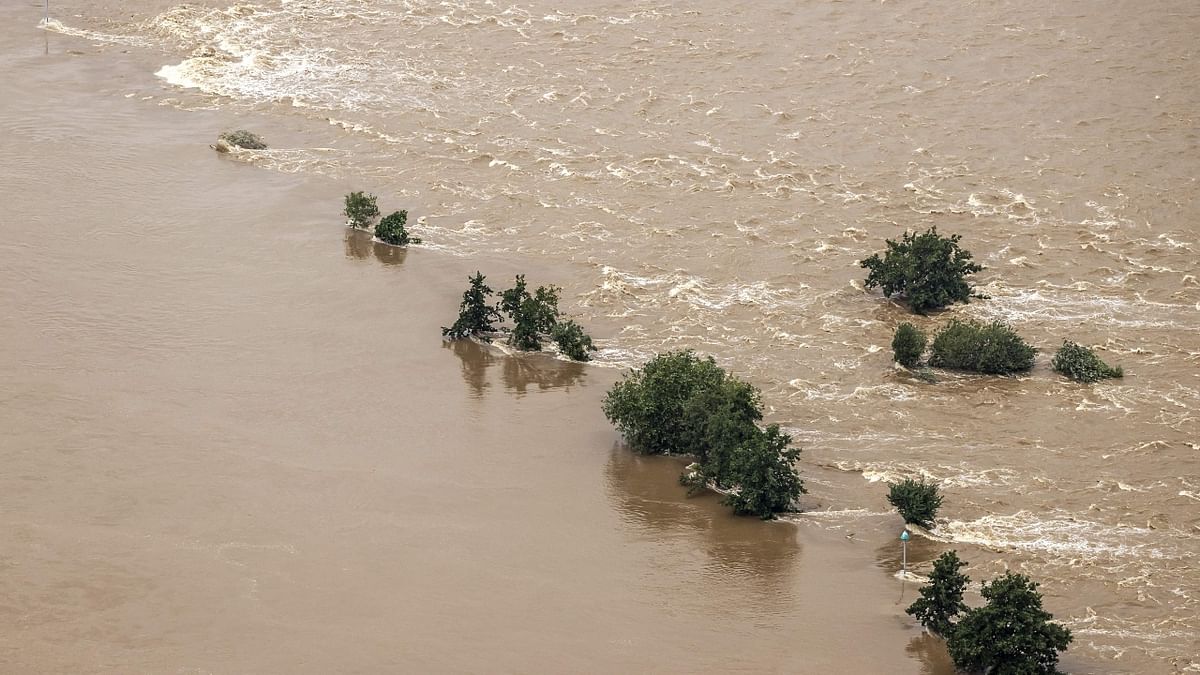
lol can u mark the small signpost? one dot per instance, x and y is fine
(904, 547)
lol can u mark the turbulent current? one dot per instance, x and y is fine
(707, 175)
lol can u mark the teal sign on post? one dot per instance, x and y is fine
(904, 548)
(904, 536)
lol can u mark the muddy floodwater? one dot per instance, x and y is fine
(233, 440)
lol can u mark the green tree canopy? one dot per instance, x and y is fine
(1081, 364)
(360, 209)
(1011, 635)
(392, 230)
(992, 348)
(917, 501)
(928, 270)
(762, 475)
(941, 599)
(908, 344)
(475, 315)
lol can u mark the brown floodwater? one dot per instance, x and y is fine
(235, 443)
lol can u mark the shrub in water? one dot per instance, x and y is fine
(532, 315)
(391, 230)
(360, 209)
(572, 341)
(244, 139)
(992, 348)
(928, 270)
(908, 344)
(1011, 635)
(475, 315)
(1081, 364)
(917, 501)
(941, 599)
(762, 475)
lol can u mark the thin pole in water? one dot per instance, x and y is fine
(46, 18)
(904, 548)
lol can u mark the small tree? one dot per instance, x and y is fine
(572, 341)
(927, 269)
(360, 209)
(992, 348)
(647, 404)
(1011, 635)
(475, 315)
(532, 315)
(718, 419)
(1081, 364)
(761, 471)
(941, 599)
(917, 501)
(391, 230)
(908, 345)
(243, 139)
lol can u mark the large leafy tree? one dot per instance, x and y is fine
(1011, 635)
(647, 405)
(761, 474)
(928, 270)
(916, 500)
(941, 599)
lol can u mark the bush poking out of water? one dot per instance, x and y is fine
(917, 501)
(532, 314)
(928, 270)
(572, 341)
(361, 209)
(993, 348)
(243, 139)
(475, 315)
(941, 599)
(679, 403)
(391, 230)
(908, 344)
(762, 473)
(1081, 364)
(1011, 635)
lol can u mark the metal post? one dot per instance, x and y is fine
(46, 18)
(904, 554)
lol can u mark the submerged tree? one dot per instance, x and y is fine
(908, 344)
(475, 315)
(917, 501)
(1011, 635)
(992, 348)
(928, 270)
(647, 405)
(762, 474)
(941, 599)
(532, 314)
(242, 139)
(360, 209)
(1081, 364)
(392, 230)
(572, 341)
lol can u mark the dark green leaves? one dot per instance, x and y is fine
(1011, 635)
(908, 344)
(941, 599)
(992, 348)
(361, 210)
(475, 315)
(1081, 364)
(927, 270)
(391, 230)
(917, 501)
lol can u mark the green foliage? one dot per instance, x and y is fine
(908, 345)
(532, 315)
(1081, 364)
(941, 599)
(361, 210)
(391, 230)
(572, 341)
(475, 315)
(992, 348)
(927, 269)
(917, 501)
(244, 139)
(647, 405)
(1011, 635)
(679, 403)
(761, 469)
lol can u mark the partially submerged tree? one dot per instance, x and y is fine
(392, 230)
(908, 344)
(992, 348)
(941, 599)
(928, 270)
(532, 314)
(572, 341)
(360, 209)
(240, 138)
(1011, 635)
(679, 403)
(475, 315)
(1081, 364)
(917, 501)
(761, 471)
